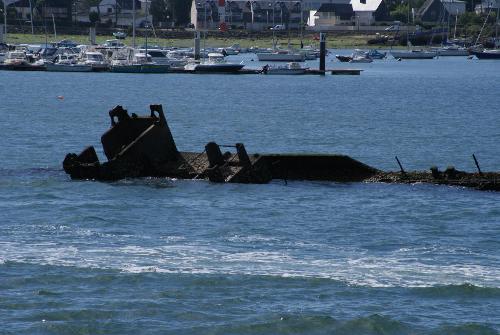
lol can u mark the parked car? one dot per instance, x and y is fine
(278, 27)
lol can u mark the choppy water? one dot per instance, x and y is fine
(160, 256)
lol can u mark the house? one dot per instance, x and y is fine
(59, 9)
(486, 5)
(245, 14)
(368, 12)
(333, 14)
(440, 10)
(118, 12)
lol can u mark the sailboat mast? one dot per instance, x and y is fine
(5, 20)
(455, 31)
(496, 25)
(133, 23)
(408, 27)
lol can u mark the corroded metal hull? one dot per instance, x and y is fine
(144, 147)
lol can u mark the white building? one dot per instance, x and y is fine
(119, 12)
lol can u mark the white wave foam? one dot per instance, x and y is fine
(401, 268)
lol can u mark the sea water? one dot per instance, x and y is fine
(163, 256)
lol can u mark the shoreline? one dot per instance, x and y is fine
(214, 39)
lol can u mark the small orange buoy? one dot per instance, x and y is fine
(60, 97)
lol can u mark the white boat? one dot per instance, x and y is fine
(161, 57)
(413, 54)
(215, 64)
(16, 58)
(140, 63)
(451, 50)
(67, 63)
(292, 68)
(281, 56)
(94, 59)
(360, 59)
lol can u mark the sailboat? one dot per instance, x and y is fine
(281, 55)
(482, 53)
(447, 48)
(411, 53)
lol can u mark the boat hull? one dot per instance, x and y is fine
(22, 67)
(452, 52)
(486, 55)
(286, 71)
(413, 54)
(68, 68)
(343, 59)
(143, 68)
(217, 68)
(280, 57)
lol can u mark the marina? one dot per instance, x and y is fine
(172, 255)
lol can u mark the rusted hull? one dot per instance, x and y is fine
(144, 147)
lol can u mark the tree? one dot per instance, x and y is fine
(94, 17)
(158, 10)
(180, 10)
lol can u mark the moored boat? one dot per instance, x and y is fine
(281, 56)
(487, 54)
(141, 63)
(215, 64)
(413, 54)
(292, 68)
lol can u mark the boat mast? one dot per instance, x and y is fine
(133, 23)
(496, 25)
(455, 31)
(408, 27)
(484, 24)
(5, 20)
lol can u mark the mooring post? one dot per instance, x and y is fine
(197, 45)
(322, 52)
(214, 154)
(400, 166)
(477, 165)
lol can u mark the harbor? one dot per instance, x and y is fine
(173, 255)
(222, 177)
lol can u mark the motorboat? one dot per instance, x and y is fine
(94, 59)
(67, 63)
(161, 57)
(375, 54)
(292, 68)
(281, 56)
(343, 59)
(17, 60)
(140, 63)
(361, 58)
(16, 57)
(215, 64)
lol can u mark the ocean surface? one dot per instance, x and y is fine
(162, 256)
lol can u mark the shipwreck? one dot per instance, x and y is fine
(143, 146)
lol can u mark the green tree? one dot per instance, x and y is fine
(180, 10)
(400, 13)
(159, 11)
(94, 17)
